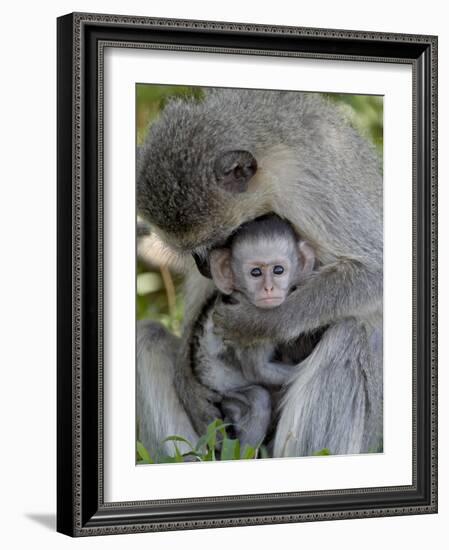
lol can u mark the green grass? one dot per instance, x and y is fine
(214, 445)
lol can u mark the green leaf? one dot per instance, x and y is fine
(178, 455)
(263, 451)
(248, 452)
(166, 459)
(323, 452)
(202, 441)
(210, 455)
(211, 433)
(237, 450)
(230, 449)
(178, 438)
(143, 453)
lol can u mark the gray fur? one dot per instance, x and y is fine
(237, 373)
(314, 170)
(249, 409)
(156, 353)
(349, 417)
(227, 367)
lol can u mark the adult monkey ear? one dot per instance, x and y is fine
(234, 169)
(220, 268)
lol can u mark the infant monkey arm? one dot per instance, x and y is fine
(258, 368)
(343, 289)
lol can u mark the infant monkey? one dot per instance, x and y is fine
(264, 260)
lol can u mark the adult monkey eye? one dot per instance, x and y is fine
(278, 270)
(234, 169)
(256, 272)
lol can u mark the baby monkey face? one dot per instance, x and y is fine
(264, 261)
(264, 270)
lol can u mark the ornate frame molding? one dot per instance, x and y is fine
(81, 42)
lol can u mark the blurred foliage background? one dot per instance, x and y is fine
(158, 285)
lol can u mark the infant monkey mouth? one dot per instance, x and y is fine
(269, 302)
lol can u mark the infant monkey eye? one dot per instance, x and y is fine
(256, 272)
(278, 270)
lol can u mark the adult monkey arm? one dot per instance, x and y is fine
(208, 167)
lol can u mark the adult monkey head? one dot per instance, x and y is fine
(198, 175)
(208, 166)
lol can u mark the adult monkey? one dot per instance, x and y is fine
(206, 168)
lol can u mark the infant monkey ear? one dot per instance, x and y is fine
(221, 271)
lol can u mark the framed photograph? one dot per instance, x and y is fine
(247, 274)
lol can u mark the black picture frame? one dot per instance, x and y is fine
(81, 509)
